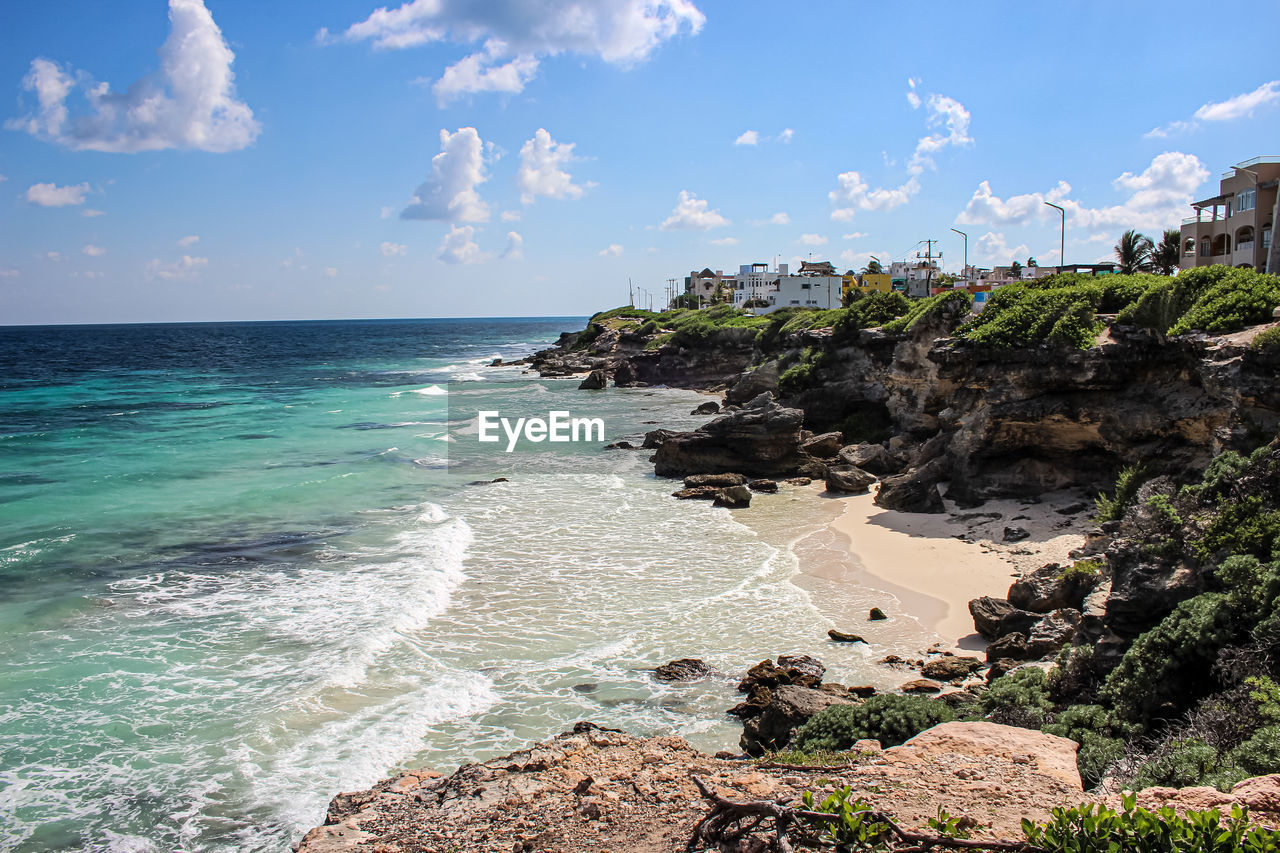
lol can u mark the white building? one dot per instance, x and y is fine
(804, 291)
(915, 278)
(756, 282)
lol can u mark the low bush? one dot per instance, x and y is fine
(1214, 299)
(1268, 340)
(952, 305)
(1018, 315)
(1020, 698)
(1127, 485)
(871, 309)
(886, 717)
(1245, 526)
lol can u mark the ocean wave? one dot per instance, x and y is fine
(429, 391)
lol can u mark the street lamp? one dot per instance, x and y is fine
(965, 272)
(1062, 240)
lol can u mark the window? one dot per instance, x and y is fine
(1204, 248)
(1246, 200)
(1266, 238)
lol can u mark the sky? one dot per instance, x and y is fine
(201, 160)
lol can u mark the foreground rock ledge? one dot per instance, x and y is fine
(594, 789)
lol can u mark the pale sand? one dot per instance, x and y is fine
(918, 558)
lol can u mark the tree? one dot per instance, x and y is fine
(873, 268)
(1133, 252)
(1032, 262)
(1166, 256)
(1015, 270)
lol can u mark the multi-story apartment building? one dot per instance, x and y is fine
(1235, 226)
(755, 282)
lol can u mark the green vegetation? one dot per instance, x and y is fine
(1268, 340)
(952, 304)
(1127, 485)
(1020, 698)
(886, 717)
(1018, 315)
(1133, 252)
(1215, 299)
(802, 374)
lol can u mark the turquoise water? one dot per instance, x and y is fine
(241, 569)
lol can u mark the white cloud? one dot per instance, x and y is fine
(53, 256)
(812, 240)
(780, 218)
(748, 137)
(1158, 198)
(611, 251)
(190, 102)
(515, 35)
(386, 212)
(853, 192)
(459, 247)
(853, 236)
(515, 246)
(330, 272)
(90, 213)
(953, 118)
(391, 250)
(484, 72)
(94, 251)
(449, 192)
(992, 248)
(9, 273)
(295, 259)
(186, 267)
(858, 260)
(52, 195)
(510, 216)
(1243, 105)
(692, 214)
(542, 162)
(912, 98)
(725, 241)
(785, 136)
(189, 241)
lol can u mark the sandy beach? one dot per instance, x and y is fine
(935, 564)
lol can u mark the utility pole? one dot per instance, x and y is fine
(929, 258)
(1062, 237)
(631, 297)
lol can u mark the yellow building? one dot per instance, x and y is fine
(865, 283)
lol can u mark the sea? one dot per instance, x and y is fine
(245, 566)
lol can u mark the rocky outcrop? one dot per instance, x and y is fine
(848, 479)
(914, 491)
(760, 440)
(684, 669)
(595, 380)
(1051, 587)
(789, 708)
(733, 497)
(1047, 754)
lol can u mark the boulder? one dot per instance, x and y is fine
(1053, 632)
(684, 669)
(798, 481)
(1009, 647)
(753, 704)
(720, 481)
(1016, 534)
(1046, 754)
(950, 668)
(1001, 666)
(876, 615)
(825, 446)
(1048, 588)
(654, 438)
(626, 376)
(788, 709)
(921, 685)
(869, 457)
(708, 408)
(620, 445)
(863, 690)
(697, 493)
(914, 491)
(750, 385)
(763, 486)
(733, 497)
(595, 380)
(987, 613)
(848, 479)
(761, 440)
(842, 637)
(799, 670)
(801, 667)
(1018, 621)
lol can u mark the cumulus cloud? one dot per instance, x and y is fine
(188, 241)
(515, 247)
(692, 214)
(9, 273)
(182, 269)
(189, 102)
(748, 137)
(94, 251)
(780, 218)
(852, 236)
(460, 247)
(516, 35)
(992, 248)
(1157, 198)
(330, 272)
(52, 195)
(449, 193)
(611, 251)
(858, 260)
(949, 121)
(392, 250)
(785, 136)
(725, 241)
(510, 216)
(812, 240)
(542, 162)
(1243, 105)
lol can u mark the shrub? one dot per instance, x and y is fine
(802, 375)
(953, 304)
(1127, 485)
(1099, 736)
(1018, 315)
(1245, 526)
(1268, 340)
(871, 309)
(886, 717)
(1213, 299)
(1219, 478)
(1020, 698)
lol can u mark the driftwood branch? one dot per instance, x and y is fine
(731, 821)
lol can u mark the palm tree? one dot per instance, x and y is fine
(1165, 257)
(873, 268)
(1133, 252)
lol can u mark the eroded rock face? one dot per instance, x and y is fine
(914, 491)
(596, 380)
(1049, 588)
(870, 457)
(1048, 754)
(719, 481)
(1053, 632)
(788, 709)
(848, 479)
(987, 613)
(762, 440)
(824, 446)
(749, 385)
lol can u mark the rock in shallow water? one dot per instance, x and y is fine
(684, 669)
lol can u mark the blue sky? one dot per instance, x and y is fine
(235, 160)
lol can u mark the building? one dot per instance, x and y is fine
(755, 283)
(705, 285)
(1234, 227)
(805, 291)
(865, 283)
(914, 278)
